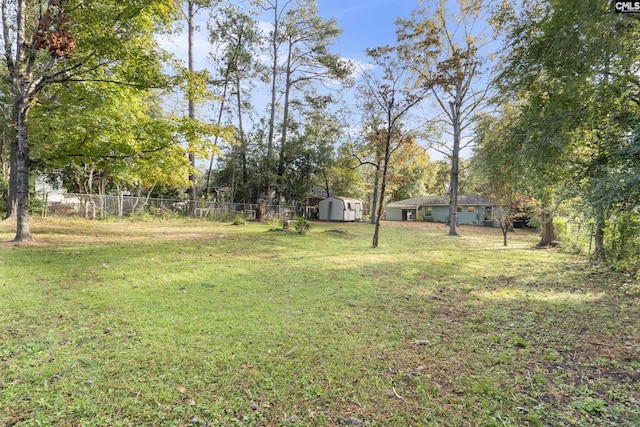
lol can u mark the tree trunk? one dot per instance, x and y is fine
(272, 114)
(12, 199)
(383, 185)
(243, 142)
(600, 224)
(192, 108)
(548, 232)
(23, 231)
(504, 227)
(455, 171)
(220, 112)
(374, 203)
(285, 123)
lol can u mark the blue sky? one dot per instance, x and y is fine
(366, 23)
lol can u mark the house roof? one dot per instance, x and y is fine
(415, 202)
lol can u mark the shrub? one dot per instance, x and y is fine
(238, 220)
(302, 225)
(37, 206)
(274, 224)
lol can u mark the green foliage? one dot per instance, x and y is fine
(37, 205)
(302, 225)
(591, 406)
(567, 236)
(275, 224)
(239, 220)
(571, 72)
(4, 193)
(624, 236)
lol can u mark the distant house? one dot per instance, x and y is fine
(49, 191)
(472, 209)
(339, 209)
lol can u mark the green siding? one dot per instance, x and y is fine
(393, 214)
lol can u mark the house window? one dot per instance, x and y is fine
(426, 211)
(459, 209)
(471, 209)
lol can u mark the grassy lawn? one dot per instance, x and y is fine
(200, 323)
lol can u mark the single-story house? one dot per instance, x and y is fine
(472, 209)
(339, 209)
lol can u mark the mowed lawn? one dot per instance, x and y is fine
(188, 323)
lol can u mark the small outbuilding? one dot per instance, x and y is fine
(340, 209)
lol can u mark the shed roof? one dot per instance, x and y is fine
(344, 199)
(470, 200)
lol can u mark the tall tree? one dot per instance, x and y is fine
(195, 83)
(298, 44)
(63, 41)
(278, 9)
(576, 67)
(306, 38)
(497, 168)
(310, 150)
(236, 38)
(389, 95)
(451, 33)
(116, 132)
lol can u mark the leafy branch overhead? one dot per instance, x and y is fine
(52, 35)
(61, 42)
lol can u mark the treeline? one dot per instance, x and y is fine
(565, 134)
(545, 92)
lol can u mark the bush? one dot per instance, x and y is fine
(37, 206)
(275, 224)
(238, 220)
(302, 225)
(4, 193)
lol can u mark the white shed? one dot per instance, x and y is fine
(339, 209)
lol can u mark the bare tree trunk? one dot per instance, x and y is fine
(548, 232)
(600, 224)
(504, 227)
(272, 114)
(243, 142)
(192, 107)
(455, 171)
(23, 232)
(376, 182)
(12, 200)
(383, 185)
(285, 124)
(222, 103)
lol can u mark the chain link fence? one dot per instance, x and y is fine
(104, 206)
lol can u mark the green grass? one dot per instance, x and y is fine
(198, 323)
